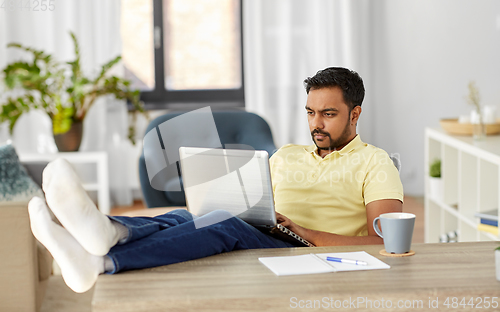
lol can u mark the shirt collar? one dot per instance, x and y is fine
(356, 142)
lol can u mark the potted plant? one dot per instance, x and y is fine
(62, 91)
(435, 182)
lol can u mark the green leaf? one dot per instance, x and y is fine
(37, 54)
(14, 45)
(13, 121)
(63, 119)
(61, 125)
(435, 169)
(75, 65)
(107, 67)
(12, 110)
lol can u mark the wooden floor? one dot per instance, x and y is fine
(117, 210)
(60, 298)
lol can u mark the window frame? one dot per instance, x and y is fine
(161, 98)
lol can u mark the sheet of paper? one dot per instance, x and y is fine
(293, 265)
(317, 263)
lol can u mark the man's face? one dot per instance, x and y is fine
(329, 119)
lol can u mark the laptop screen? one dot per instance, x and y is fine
(237, 181)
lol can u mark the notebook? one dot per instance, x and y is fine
(317, 263)
(237, 181)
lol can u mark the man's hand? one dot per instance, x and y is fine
(289, 224)
(292, 226)
(281, 219)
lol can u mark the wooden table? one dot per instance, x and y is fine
(237, 281)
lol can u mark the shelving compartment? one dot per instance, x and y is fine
(449, 222)
(432, 210)
(449, 174)
(470, 174)
(488, 191)
(485, 236)
(488, 186)
(467, 196)
(467, 233)
(433, 152)
(433, 221)
(468, 186)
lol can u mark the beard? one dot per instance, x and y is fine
(340, 141)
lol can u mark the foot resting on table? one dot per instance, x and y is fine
(75, 210)
(79, 268)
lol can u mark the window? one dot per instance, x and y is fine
(183, 53)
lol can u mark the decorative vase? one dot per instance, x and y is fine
(497, 263)
(479, 131)
(478, 126)
(70, 141)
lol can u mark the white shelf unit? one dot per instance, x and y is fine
(94, 164)
(470, 173)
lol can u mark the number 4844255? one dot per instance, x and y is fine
(28, 5)
(478, 302)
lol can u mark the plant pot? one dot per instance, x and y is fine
(497, 263)
(70, 141)
(436, 188)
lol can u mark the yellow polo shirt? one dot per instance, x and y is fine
(330, 194)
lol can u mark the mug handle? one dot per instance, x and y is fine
(375, 227)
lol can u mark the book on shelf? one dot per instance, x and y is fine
(488, 215)
(489, 222)
(488, 228)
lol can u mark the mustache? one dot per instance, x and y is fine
(316, 131)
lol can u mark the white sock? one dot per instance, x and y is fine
(109, 266)
(75, 210)
(79, 268)
(121, 230)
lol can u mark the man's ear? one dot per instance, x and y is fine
(355, 112)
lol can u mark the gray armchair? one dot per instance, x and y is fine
(233, 127)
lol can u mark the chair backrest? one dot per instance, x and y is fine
(233, 127)
(396, 160)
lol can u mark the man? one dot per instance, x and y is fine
(340, 184)
(331, 190)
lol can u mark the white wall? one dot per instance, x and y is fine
(424, 55)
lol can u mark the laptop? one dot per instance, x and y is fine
(234, 180)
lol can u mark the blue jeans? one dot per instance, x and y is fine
(173, 237)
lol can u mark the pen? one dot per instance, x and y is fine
(357, 262)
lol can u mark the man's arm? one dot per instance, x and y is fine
(318, 238)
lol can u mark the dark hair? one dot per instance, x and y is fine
(347, 80)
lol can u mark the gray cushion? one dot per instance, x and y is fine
(15, 183)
